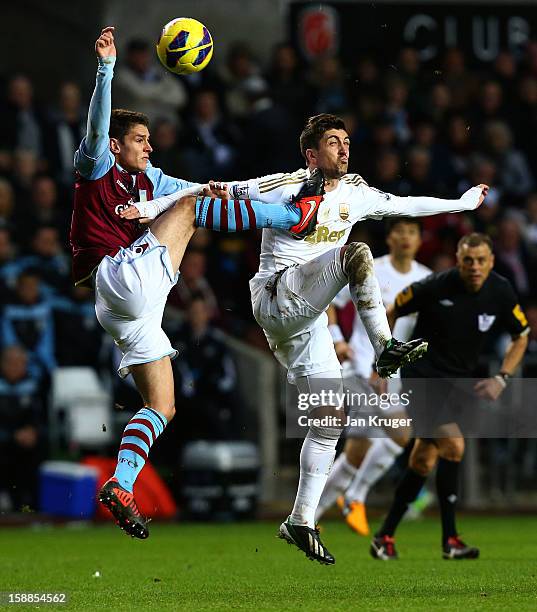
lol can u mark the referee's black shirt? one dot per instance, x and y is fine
(456, 322)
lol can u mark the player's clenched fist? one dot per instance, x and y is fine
(104, 46)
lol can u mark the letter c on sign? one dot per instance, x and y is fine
(410, 32)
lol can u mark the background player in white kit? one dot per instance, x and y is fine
(365, 459)
(297, 281)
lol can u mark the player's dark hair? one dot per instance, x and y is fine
(121, 121)
(395, 221)
(315, 128)
(475, 239)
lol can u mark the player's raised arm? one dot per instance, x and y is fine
(93, 158)
(380, 204)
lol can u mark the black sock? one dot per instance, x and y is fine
(406, 492)
(447, 474)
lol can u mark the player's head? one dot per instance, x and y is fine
(475, 260)
(324, 143)
(403, 237)
(129, 139)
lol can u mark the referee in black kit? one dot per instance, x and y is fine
(456, 310)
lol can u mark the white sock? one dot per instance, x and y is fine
(367, 298)
(339, 479)
(316, 458)
(377, 461)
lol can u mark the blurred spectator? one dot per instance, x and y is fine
(7, 256)
(489, 106)
(166, 150)
(271, 131)
(530, 228)
(387, 176)
(210, 141)
(329, 86)
(205, 377)
(27, 321)
(514, 174)
(22, 428)
(408, 64)
(365, 78)
(459, 149)
(239, 68)
(524, 119)
(192, 282)
(425, 136)
(441, 262)
(460, 82)
(144, 87)
(505, 74)
(46, 258)
(396, 112)
(65, 130)
(25, 168)
(513, 259)
(7, 202)
(440, 103)
(44, 208)
(417, 181)
(78, 335)
(287, 84)
(21, 123)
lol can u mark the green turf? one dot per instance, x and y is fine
(244, 567)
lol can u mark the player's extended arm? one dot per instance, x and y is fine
(385, 204)
(514, 354)
(89, 158)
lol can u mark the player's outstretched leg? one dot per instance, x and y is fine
(298, 217)
(365, 292)
(117, 493)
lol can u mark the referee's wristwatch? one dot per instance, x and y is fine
(503, 378)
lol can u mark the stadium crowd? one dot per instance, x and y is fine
(415, 129)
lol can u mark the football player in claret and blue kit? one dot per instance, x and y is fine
(133, 268)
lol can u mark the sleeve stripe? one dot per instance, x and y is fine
(265, 189)
(284, 178)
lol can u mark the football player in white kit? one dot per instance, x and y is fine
(367, 454)
(297, 281)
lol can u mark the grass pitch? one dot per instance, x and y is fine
(244, 567)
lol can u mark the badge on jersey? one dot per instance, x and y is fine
(143, 195)
(485, 322)
(344, 211)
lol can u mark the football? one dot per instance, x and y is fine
(185, 46)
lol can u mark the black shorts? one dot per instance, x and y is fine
(434, 402)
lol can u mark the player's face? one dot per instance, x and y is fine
(132, 153)
(474, 264)
(332, 154)
(404, 240)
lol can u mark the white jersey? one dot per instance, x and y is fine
(391, 282)
(352, 201)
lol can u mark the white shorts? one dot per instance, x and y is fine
(290, 307)
(131, 290)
